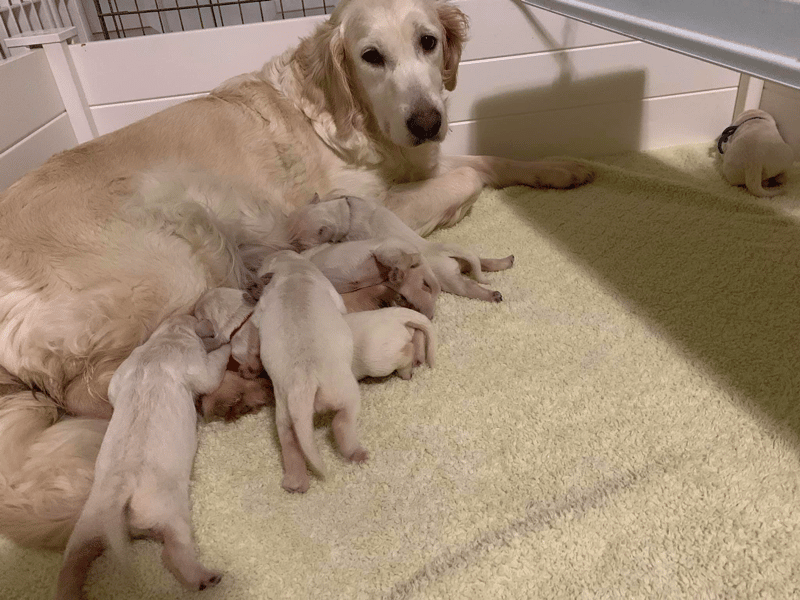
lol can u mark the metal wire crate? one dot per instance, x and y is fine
(126, 18)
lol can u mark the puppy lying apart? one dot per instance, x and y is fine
(351, 266)
(389, 340)
(142, 473)
(348, 219)
(307, 349)
(753, 152)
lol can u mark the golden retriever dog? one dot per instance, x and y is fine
(89, 266)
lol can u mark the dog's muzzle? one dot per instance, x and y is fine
(424, 123)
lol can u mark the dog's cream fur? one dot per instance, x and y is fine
(89, 267)
(383, 342)
(145, 462)
(755, 153)
(306, 348)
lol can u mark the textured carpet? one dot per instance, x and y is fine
(624, 425)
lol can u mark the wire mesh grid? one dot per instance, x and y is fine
(127, 18)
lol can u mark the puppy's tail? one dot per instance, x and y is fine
(115, 526)
(300, 402)
(422, 323)
(753, 181)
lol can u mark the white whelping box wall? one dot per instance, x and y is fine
(531, 84)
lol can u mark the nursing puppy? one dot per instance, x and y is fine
(753, 152)
(349, 218)
(227, 309)
(307, 349)
(384, 342)
(351, 266)
(141, 483)
(235, 398)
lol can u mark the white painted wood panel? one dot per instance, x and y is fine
(580, 77)
(196, 61)
(598, 130)
(29, 97)
(34, 150)
(783, 103)
(110, 117)
(175, 64)
(533, 82)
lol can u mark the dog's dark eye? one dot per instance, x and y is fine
(428, 43)
(372, 57)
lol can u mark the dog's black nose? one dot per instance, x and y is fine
(424, 123)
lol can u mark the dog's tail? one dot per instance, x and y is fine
(470, 258)
(46, 466)
(300, 402)
(423, 324)
(752, 177)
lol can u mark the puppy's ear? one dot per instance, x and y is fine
(204, 328)
(456, 26)
(256, 287)
(396, 275)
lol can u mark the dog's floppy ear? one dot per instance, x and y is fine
(456, 25)
(322, 59)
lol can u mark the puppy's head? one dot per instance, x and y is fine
(387, 63)
(753, 113)
(416, 292)
(319, 223)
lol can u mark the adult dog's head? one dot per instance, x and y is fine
(383, 65)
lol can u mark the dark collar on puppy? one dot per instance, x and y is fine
(729, 131)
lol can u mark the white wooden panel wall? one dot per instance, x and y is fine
(522, 66)
(783, 103)
(33, 122)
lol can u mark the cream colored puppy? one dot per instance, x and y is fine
(307, 349)
(348, 218)
(227, 309)
(753, 152)
(384, 342)
(141, 483)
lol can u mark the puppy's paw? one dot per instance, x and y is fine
(209, 580)
(497, 297)
(295, 483)
(360, 455)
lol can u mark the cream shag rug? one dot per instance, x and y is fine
(624, 425)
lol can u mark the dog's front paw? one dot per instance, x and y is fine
(562, 174)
